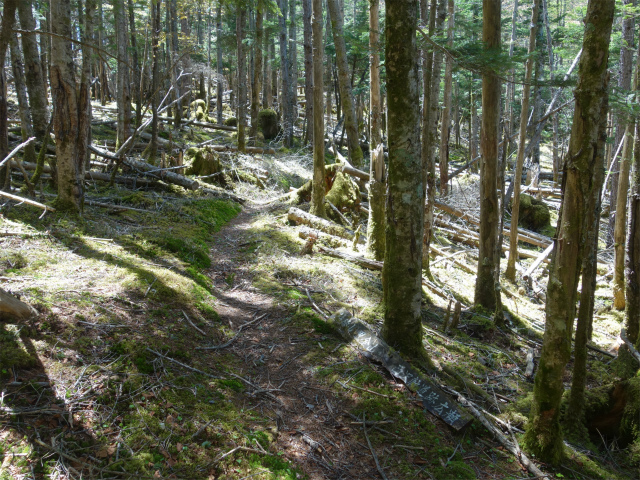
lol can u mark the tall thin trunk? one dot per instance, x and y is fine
(257, 74)
(84, 89)
(308, 67)
(445, 124)
(173, 47)
(402, 272)
(620, 225)
(122, 88)
(34, 78)
(517, 176)
(8, 19)
(584, 158)
(293, 60)
(136, 61)
(376, 187)
(624, 84)
(23, 102)
(318, 186)
(152, 149)
(219, 82)
(284, 97)
(267, 96)
(485, 290)
(346, 95)
(241, 18)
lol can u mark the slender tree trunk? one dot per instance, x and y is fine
(219, 80)
(632, 314)
(584, 158)
(432, 75)
(318, 187)
(122, 87)
(8, 19)
(619, 231)
(624, 84)
(33, 72)
(284, 98)
(293, 62)
(84, 89)
(486, 291)
(308, 68)
(23, 102)
(445, 124)
(402, 271)
(257, 74)
(267, 96)
(510, 273)
(136, 62)
(241, 18)
(376, 187)
(152, 149)
(346, 95)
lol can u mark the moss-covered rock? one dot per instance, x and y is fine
(205, 162)
(199, 108)
(268, 123)
(534, 214)
(231, 122)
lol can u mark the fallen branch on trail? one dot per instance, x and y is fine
(13, 309)
(301, 217)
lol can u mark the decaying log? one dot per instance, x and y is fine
(165, 175)
(13, 309)
(463, 266)
(301, 217)
(326, 239)
(357, 259)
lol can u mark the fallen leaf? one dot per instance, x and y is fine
(179, 446)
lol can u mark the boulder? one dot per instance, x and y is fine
(268, 123)
(534, 214)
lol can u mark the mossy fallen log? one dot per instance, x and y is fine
(12, 309)
(298, 216)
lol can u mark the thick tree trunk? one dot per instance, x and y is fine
(402, 272)
(543, 435)
(257, 74)
(445, 124)
(376, 188)
(346, 95)
(8, 19)
(485, 290)
(317, 195)
(33, 72)
(524, 115)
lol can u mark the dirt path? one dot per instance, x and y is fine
(307, 418)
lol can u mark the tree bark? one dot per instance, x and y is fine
(241, 18)
(346, 95)
(123, 93)
(152, 149)
(257, 73)
(376, 188)
(543, 435)
(402, 272)
(620, 224)
(284, 97)
(445, 124)
(8, 19)
(510, 273)
(308, 67)
(219, 83)
(318, 188)
(136, 62)
(485, 290)
(33, 72)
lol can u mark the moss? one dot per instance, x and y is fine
(344, 194)
(534, 214)
(268, 123)
(13, 353)
(231, 122)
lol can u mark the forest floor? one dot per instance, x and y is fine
(178, 339)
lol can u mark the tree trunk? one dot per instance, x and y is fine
(293, 61)
(8, 19)
(33, 72)
(257, 74)
(524, 115)
(485, 290)
(619, 231)
(308, 68)
(317, 193)
(624, 84)
(432, 73)
(219, 82)
(632, 314)
(543, 435)
(136, 62)
(122, 88)
(84, 90)
(346, 95)
(402, 272)
(65, 102)
(445, 124)
(241, 18)
(375, 224)
(152, 149)
(23, 103)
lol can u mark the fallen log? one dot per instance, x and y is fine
(463, 266)
(13, 309)
(329, 240)
(301, 217)
(357, 259)
(27, 201)
(543, 256)
(165, 175)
